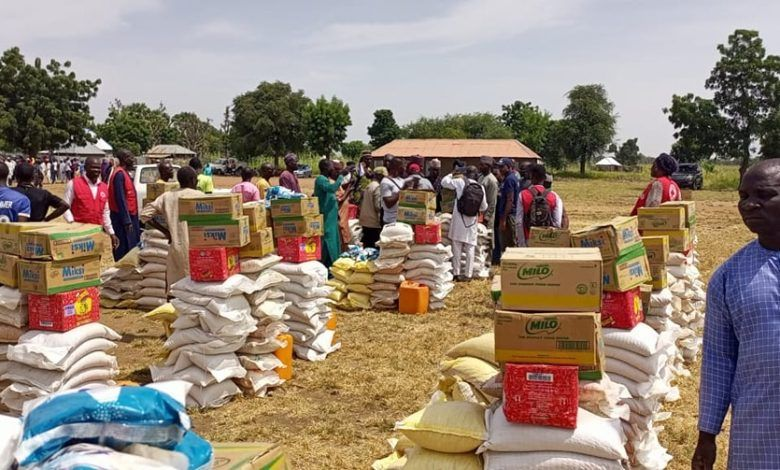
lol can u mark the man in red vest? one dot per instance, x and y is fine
(123, 203)
(88, 198)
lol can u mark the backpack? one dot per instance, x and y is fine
(471, 199)
(540, 214)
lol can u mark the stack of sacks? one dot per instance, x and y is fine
(642, 360)
(688, 302)
(121, 284)
(153, 265)
(214, 321)
(431, 265)
(13, 324)
(353, 275)
(395, 243)
(311, 320)
(45, 362)
(160, 437)
(482, 253)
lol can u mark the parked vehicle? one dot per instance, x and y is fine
(303, 171)
(689, 175)
(145, 174)
(227, 167)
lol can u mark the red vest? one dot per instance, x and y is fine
(85, 208)
(131, 200)
(671, 192)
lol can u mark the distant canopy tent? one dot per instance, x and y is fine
(608, 164)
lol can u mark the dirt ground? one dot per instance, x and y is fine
(339, 413)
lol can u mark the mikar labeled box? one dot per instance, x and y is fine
(612, 238)
(295, 207)
(309, 226)
(53, 277)
(234, 233)
(62, 242)
(215, 207)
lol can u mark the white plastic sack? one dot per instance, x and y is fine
(49, 350)
(214, 395)
(256, 265)
(314, 269)
(547, 461)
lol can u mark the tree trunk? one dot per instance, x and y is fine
(276, 160)
(582, 166)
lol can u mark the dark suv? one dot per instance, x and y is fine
(689, 175)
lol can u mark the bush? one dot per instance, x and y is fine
(722, 178)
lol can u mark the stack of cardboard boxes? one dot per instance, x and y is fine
(418, 209)
(298, 228)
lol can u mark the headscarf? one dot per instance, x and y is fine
(666, 163)
(289, 158)
(435, 163)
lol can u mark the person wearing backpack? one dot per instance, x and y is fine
(541, 207)
(470, 200)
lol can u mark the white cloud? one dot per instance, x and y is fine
(469, 22)
(55, 19)
(222, 29)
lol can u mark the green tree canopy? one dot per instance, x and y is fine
(42, 107)
(384, 129)
(197, 135)
(268, 121)
(590, 122)
(529, 124)
(458, 126)
(628, 154)
(557, 146)
(353, 149)
(137, 127)
(326, 123)
(699, 128)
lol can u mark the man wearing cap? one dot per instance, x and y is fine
(371, 209)
(490, 185)
(434, 176)
(507, 204)
(288, 179)
(416, 179)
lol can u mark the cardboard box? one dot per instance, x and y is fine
(256, 213)
(308, 226)
(622, 310)
(261, 243)
(9, 235)
(428, 234)
(551, 279)
(686, 194)
(657, 249)
(214, 207)
(9, 273)
(295, 207)
(658, 273)
(541, 394)
(679, 240)
(661, 218)
(415, 198)
(549, 237)
(62, 242)
(234, 233)
(628, 271)
(299, 249)
(213, 264)
(53, 277)
(448, 197)
(570, 339)
(249, 456)
(690, 210)
(416, 215)
(645, 292)
(612, 238)
(155, 190)
(64, 311)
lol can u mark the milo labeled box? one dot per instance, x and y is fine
(549, 237)
(612, 238)
(679, 240)
(551, 279)
(9, 273)
(155, 190)
(416, 198)
(690, 211)
(261, 243)
(661, 218)
(308, 226)
(62, 241)
(214, 207)
(627, 271)
(256, 213)
(572, 339)
(295, 207)
(233, 233)
(9, 235)
(53, 277)
(416, 215)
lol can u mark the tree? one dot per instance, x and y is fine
(458, 126)
(352, 150)
(137, 127)
(197, 135)
(628, 154)
(326, 123)
(590, 122)
(557, 148)
(42, 107)
(384, 129)
(529, 124)
(745, 88)
(770, 140)
(268, 121)
(699, 128)
(224, 130)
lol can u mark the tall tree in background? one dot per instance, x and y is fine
(384, 129)
(590, 122)
(528, 123)
(699, 128)
(628, 153)
(352, 150)
(224, 130)
(770, 140)
(557, 149)
(42, 107)
(268, 121)
(197, 135)
(458, 126)
(137, 127)
(326, 124)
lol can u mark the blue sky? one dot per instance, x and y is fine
(418, 58)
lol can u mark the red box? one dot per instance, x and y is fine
(299, 249)
(622, 309)
(541, 394)
(427, 234)
(213, 264)
(64, 311)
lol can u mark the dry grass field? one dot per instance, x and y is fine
(338, 413)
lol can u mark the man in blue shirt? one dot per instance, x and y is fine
(14, 206)
(507, 204)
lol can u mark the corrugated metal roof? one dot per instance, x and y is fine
(456, 148)
(89, 149)
(169, 150)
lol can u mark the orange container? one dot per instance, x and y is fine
(285, 355)
(331, 325)
(413, 298)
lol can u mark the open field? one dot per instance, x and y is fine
(338, 413)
